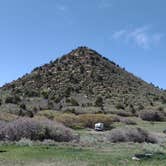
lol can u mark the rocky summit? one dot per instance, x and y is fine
(80, 81)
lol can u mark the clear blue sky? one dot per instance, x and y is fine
(130, 32)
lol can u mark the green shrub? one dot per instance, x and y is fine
(69, 120)
(99, 101)
(120, 106)
(74, 102)
(32, 93)
(163, 99)
(9, 100)
(45, 93)
(160, 108)
(69, 110)
(23, 106)
(13, 99)
(68, 91)
(24, 142)
(50, 114)
(153, 148)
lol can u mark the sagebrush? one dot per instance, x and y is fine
(131, 135)
(34, 129)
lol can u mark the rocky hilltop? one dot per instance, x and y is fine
(80, 81)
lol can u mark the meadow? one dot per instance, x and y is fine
(65, 155)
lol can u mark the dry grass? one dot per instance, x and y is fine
(89, 120)
(69, 120)
(7, 116)
(50, 114)
(79, 121)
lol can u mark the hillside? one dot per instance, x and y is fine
(81, 80)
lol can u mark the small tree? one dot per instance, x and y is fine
(13, 99)
(99, 102)
(74, 102)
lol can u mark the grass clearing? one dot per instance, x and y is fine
(101, 155)
(151, 126)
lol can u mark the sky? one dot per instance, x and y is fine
(130, 32)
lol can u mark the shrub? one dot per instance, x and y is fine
(130, 135)
(45, 93)
(99, 101)
(163, 99)
(26, 113)
(35, 130)
(48, 142)
(120, 106)
(47, 113)
(153, 148)
(69, 120)
(69, 110)
(74, 102)
(140, 107)
(128, 121)
(160, 108)
(123, 113)
(132, 109)
(24, 142)
(23, 106)
(152, 115)
(13, 99)
(68, 91)
(2, 124)
(115, 118)
(82, 69)
(9, 100)
(32, 93)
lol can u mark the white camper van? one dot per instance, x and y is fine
(99, 126)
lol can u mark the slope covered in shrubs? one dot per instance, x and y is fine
(79, 80)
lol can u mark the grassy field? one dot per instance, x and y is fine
(103, 155)
(150, 126)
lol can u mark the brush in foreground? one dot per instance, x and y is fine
(35, 130)
(131, 135)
